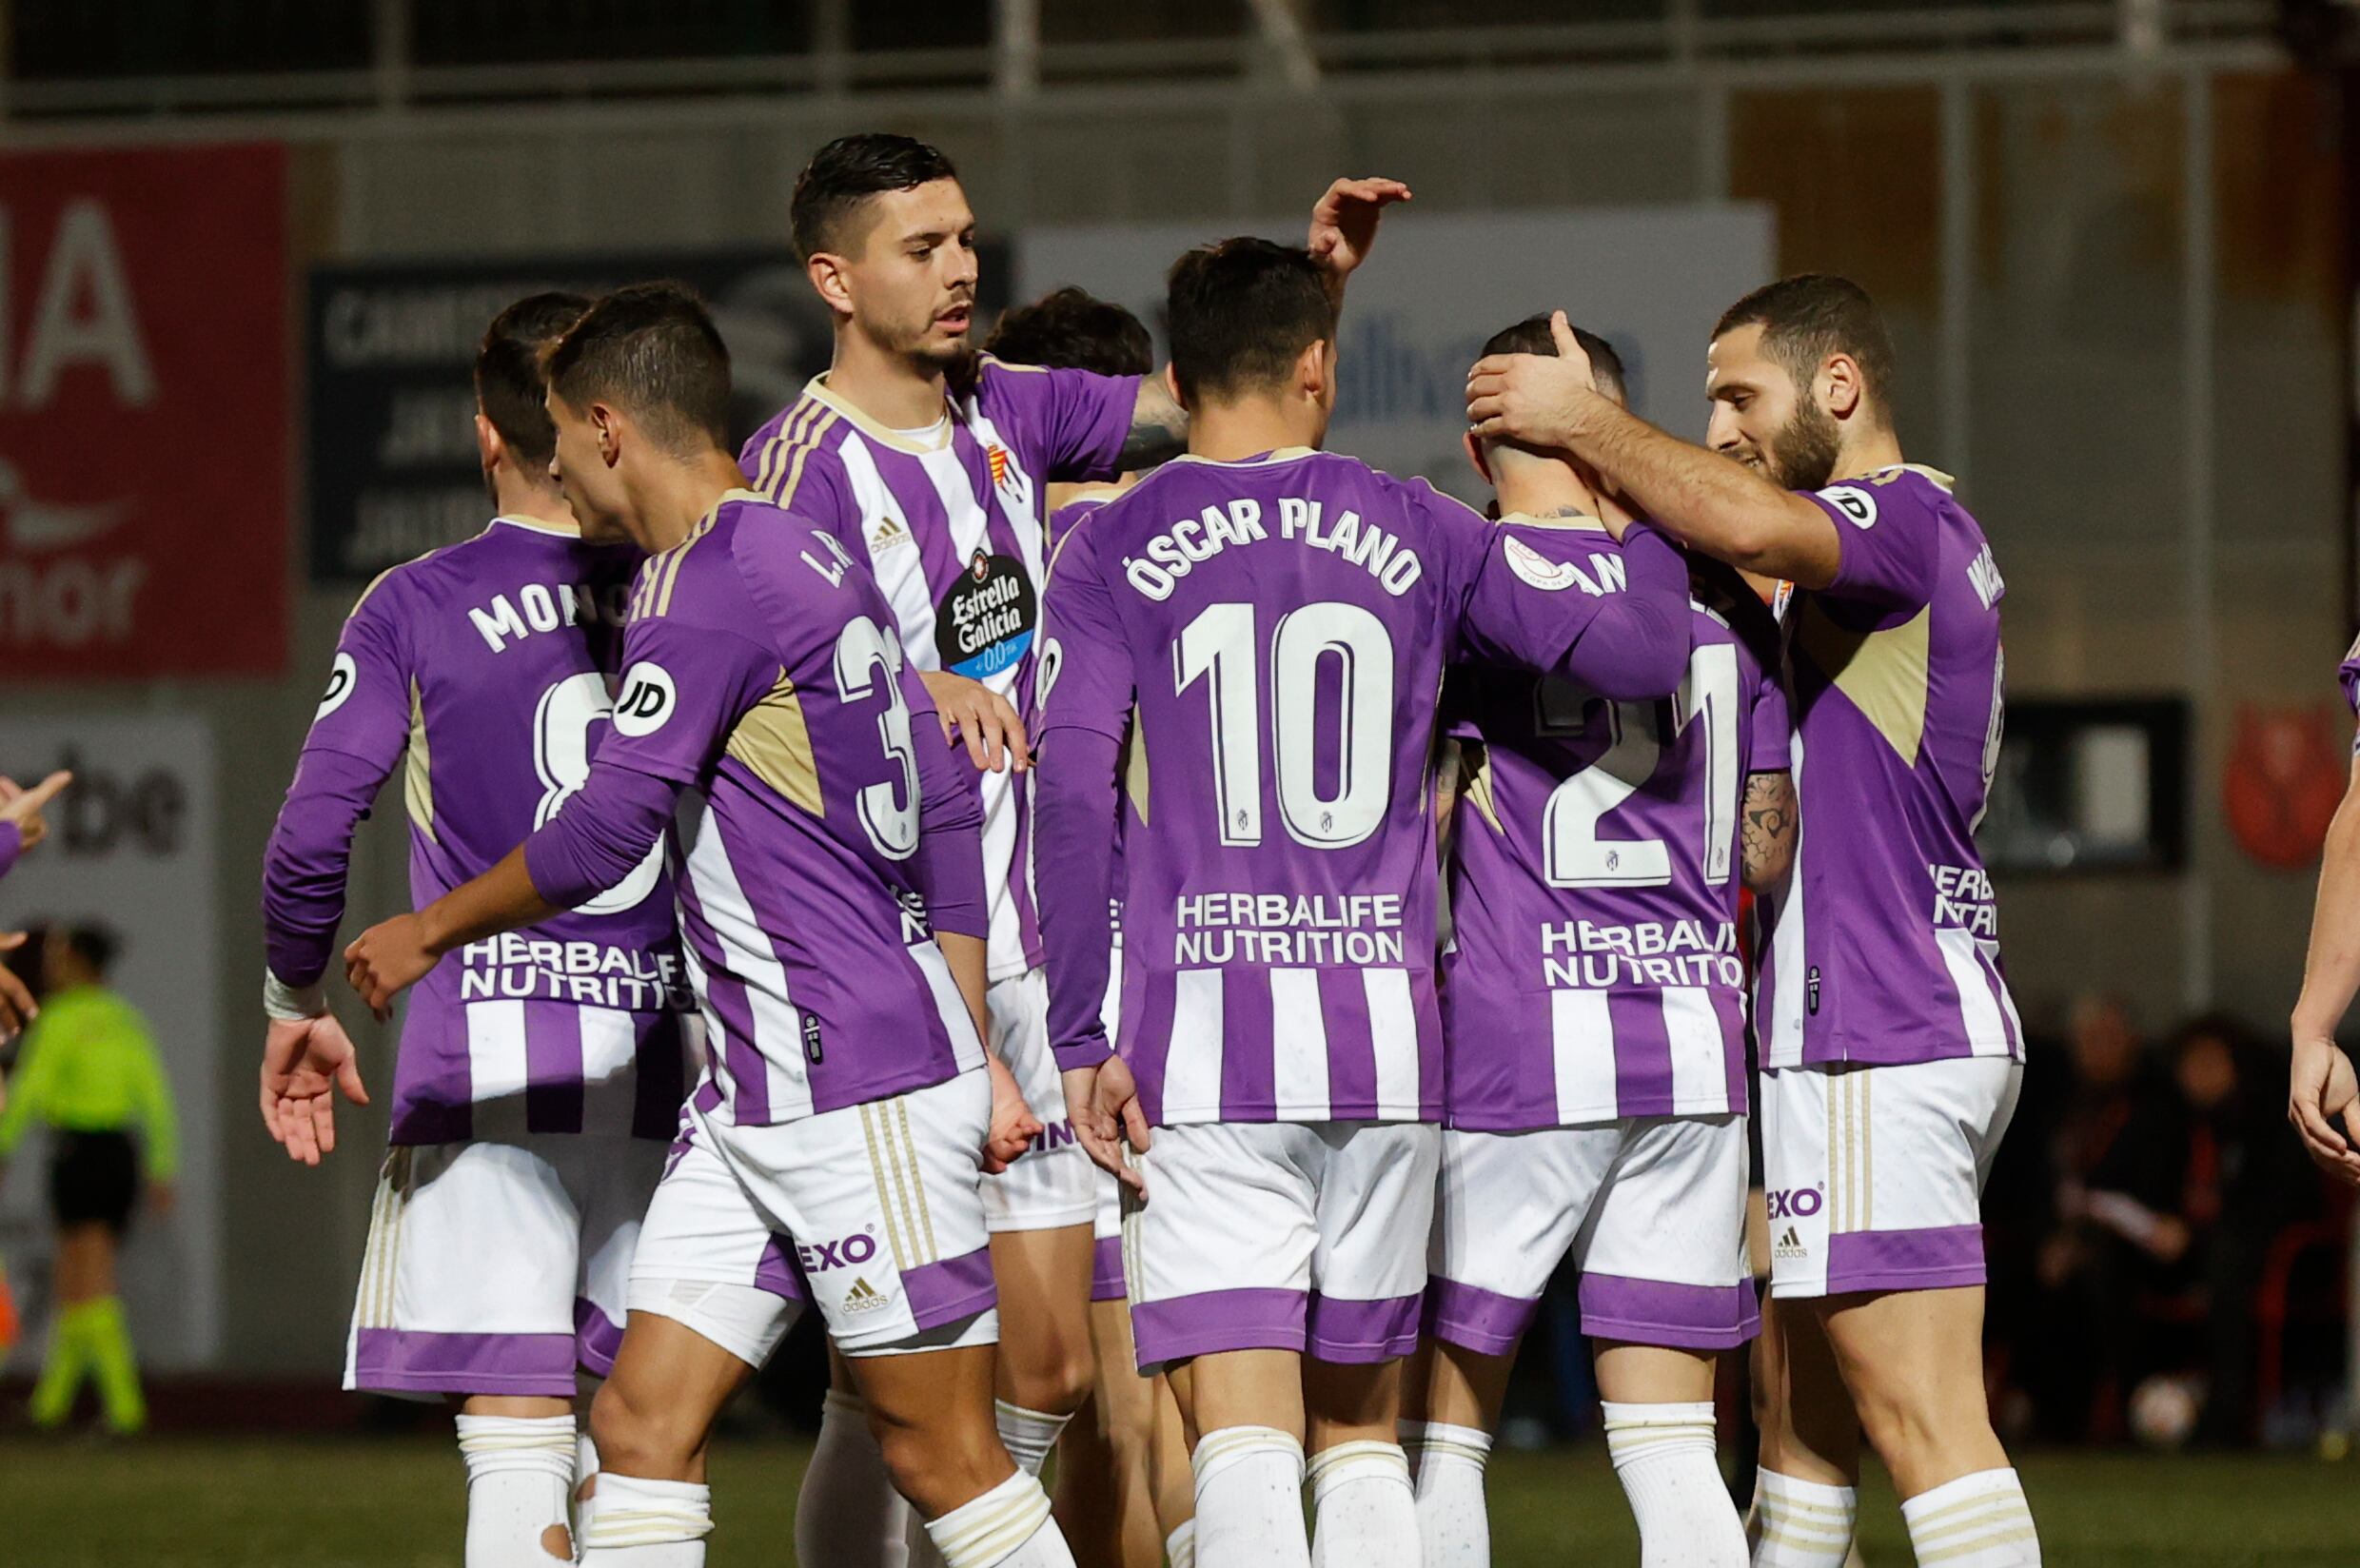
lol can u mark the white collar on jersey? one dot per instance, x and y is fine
(1284, 454)
(530, 526)
(900, 440)
(1944, 481)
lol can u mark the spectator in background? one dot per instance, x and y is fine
(90, 1074)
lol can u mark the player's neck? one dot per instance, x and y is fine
(541, 504)
(672, 497)
(1224, 432)
(1867, 453)
(1062, 495)
(893, 390)
(1559, 495)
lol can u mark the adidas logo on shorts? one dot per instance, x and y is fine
(1789, 1247)
(864, 1297)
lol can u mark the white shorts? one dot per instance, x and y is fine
(1651, 1209)
(873, 1212)
(1875, 1174)
(1281, 1236)
(499, 1267)
(1106, 1233)
(1053, 1184)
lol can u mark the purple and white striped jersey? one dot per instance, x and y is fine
(950, 522)
(761, 669)
(1273, 633)
(2347, 675)
(1885, 945)
(485, 671)
(1594, 971)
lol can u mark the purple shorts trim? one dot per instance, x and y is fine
(1481, 1320)
(779, 1270)
(393, 1361)
(1357, 1332)
(1939, 1258)
(595, 1339)
(1215, 1320)
(953, 1288)
(1684, 1316)
(1106, 1270)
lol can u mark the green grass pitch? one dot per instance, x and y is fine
(354, 1504)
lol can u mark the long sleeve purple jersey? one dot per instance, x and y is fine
(1273, 632)
(951, 522)
(761, 669)
(484, 671)
(1594, 971)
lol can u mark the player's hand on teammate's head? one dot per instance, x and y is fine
(17, 1008)
(386, 960)
(1103, 1105)
(1013, 1125)
(2321, 1092)
(23, 806)
(306, 1061)
(987, 721)
(1343, 222)
(1531, 399)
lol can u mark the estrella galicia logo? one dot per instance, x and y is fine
(342, 677)
(984, 623)
(853, 1250)
(648, 698)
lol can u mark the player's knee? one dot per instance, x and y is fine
(1054, 1375)
(636, 1436)
(1904, 1417)
(941, 1458)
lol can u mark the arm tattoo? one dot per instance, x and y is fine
(1159, 428)
(1767, 828)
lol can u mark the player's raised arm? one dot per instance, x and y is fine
(2323, 1099)
(1533, 601)
(1344, 227)
(22, 825)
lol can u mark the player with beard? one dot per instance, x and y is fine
(929, 463)
(1888, 1025)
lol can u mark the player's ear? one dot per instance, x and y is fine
(1475, 455)
(1839, 388)
(607, 425)
(1171, 384)
(488, 446)
(827, 273)
(1315, 371)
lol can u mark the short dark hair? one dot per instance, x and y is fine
(1532, 336)
(508, 383)
(1073, 329)
(95, 945)
(653, 349)
(1807, 318)
(847, 173)
(1242, 311)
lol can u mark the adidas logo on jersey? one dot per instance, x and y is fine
(887, 533)
(1789, 1247)
(864, 1297)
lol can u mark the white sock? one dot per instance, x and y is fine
(1801, 1524)
(1363, 1511)
(1664, 1456)
(633, 1523)
(1976, 1522)
(1249, 1499)
(1454, 1526)
(1180, 1546)
(1028, 1435)
(1008, 1524)
(519, 1479)
(849, 1513)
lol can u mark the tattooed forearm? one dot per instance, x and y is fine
(1159, 428)
(1766, 829)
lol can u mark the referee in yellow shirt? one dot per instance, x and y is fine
(90, 1074)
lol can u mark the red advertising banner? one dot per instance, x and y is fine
(144, 442)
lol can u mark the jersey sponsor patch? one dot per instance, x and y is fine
(648, 698)
(1853, 503)
(342, 677)
(1537, 569)
(984, 623)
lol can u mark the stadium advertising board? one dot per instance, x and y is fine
(131, 848)
(391, 348)
(1650, 280)
(143, 412)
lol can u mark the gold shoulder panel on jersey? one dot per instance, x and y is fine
(376, 582)
(1135, 765)
(792, 432)
(417, 776)
(1883, 673)
(1475, 785)
(773, 739)
(665, 568)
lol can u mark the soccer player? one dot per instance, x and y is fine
(929, 463)
(832, 906)
(90, 1075)
(2321, 1088)
(1279, 620)
(1123, 1487)
(1594, 1035)
(1892, 1051)
(541, 1076)
(22, 826)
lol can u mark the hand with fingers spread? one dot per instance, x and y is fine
(1344, 224)
(1532, 398)
(1103, 1103)
(987, 721)
(386, 960)
(22, 825)
(2323, 1103)
(1013, 1125)
(17, 1008)
(305, 1064)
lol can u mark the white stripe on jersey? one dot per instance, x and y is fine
(1192, 1070)
(1979, 1009)
(1789, 979)
(1299, 1046)
(1016, 503)
(1699, 1054)
(1581, 1040)
(497, 1068)
(966, 1047)
(902, 577)
(610, 1050)
(1393, 1031)
(778, 1026)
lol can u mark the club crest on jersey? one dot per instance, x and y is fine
(1001, 464)
(984, 623)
